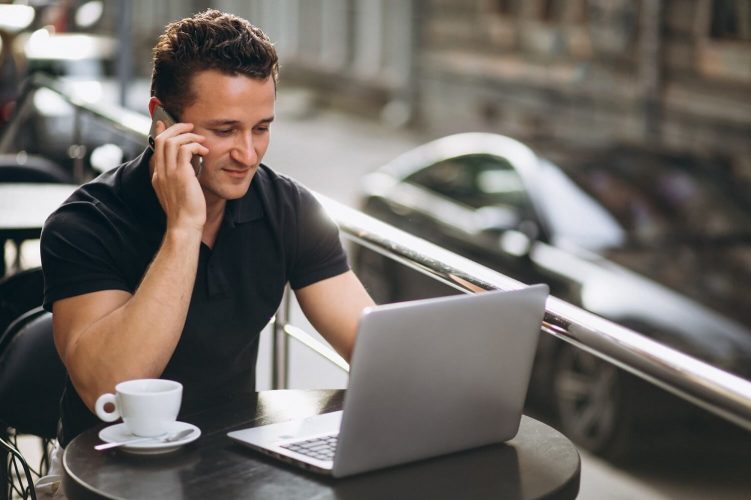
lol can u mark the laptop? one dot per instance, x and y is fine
(427, 378)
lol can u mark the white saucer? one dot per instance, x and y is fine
(119, 432)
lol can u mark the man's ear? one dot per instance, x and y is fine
(153, 103)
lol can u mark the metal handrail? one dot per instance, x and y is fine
(716, 390)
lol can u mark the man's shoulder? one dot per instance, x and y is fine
(89, 202)
(101, 200)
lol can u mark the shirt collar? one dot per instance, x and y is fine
(249, 207)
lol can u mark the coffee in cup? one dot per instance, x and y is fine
(147, 406)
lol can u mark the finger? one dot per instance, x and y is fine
(162, 135)
(185, 138)
(173, 145)
(187, 151)
(173, 131)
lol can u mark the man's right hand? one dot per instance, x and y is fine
(173, 178)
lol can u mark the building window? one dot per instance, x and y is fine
(723, 40)
(731, 20)
(505, 7)
(564, 12)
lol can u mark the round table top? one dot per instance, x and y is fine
(538, 462)
(24, 207)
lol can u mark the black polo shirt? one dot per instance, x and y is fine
(106, 234)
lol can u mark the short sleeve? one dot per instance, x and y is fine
(319, 254)
(77, 254)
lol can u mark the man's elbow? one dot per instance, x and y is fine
(89, 378)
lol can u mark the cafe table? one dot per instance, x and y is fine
(538, 462)
(25, 206)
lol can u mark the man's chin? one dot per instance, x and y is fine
(227, 192)
(235, 193)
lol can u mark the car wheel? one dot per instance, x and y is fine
(590, 397)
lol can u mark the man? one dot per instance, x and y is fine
(152, 271)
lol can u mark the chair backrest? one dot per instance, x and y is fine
(32, 376)
(19, 292)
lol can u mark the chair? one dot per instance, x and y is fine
(32, 378)
(19, 292)
(22, 485)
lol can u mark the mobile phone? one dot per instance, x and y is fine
(161, 114)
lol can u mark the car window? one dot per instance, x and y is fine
(476, 181)
(572, 215)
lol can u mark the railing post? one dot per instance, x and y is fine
(77, 150)
(280, 345)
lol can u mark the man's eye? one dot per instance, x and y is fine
(223, 132)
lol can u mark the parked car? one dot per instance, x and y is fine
(656, 242)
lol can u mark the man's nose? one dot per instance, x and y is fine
(243, 151)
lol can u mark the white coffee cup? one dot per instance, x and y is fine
(147, 406)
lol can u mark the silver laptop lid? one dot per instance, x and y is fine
(437, 376)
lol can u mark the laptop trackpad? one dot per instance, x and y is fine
(326, 423)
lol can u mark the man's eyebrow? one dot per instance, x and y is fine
(226, 123)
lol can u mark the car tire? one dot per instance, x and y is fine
(592, 403)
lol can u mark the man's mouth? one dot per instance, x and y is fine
(236, 172)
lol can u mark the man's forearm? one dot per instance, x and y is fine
(138, 338)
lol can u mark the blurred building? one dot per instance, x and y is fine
(661, 73)
(669, 73)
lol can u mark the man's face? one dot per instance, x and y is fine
(234, 114)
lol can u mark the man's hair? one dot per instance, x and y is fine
(209, 40)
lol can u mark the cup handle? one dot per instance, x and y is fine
(99, 407)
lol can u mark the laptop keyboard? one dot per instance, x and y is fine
(320, 448)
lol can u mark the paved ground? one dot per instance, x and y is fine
(329, 152)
